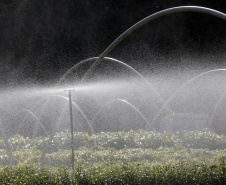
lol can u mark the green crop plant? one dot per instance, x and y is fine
(134, 157)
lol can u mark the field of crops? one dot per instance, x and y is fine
(135, 157)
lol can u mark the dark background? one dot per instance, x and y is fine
(40, 40)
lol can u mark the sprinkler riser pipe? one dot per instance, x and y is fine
(72, 132)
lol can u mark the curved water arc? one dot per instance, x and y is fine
(125, 102)
(180, 88)
(121, 63)
(80, 111)
(52, 135)
(105, 58)
(36, 120)
(73, 104)
(145, 21)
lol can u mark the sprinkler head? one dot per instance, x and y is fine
(69, 89)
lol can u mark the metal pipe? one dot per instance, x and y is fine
(72, 132)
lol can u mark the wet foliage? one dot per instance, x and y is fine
(117, 173)
(119, 140)
(135, 157)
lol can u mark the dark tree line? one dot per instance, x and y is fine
(39, 40)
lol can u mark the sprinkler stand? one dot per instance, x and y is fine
(72, 133)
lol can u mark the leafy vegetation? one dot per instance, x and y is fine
(119, 140)
(117, 173)
(135, 157)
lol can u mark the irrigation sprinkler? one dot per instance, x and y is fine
(74, 105)
(72, 134)
(161, 100)
(52, 134)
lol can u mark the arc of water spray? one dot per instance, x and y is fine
(179, 89)
(94, 59)
(145, 21)
(125, 102)
(7, 146)
(121, 63)
(36, 119)
(80, 110)
(73, 104)
(52, 135)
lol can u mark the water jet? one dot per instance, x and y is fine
(39, 103)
